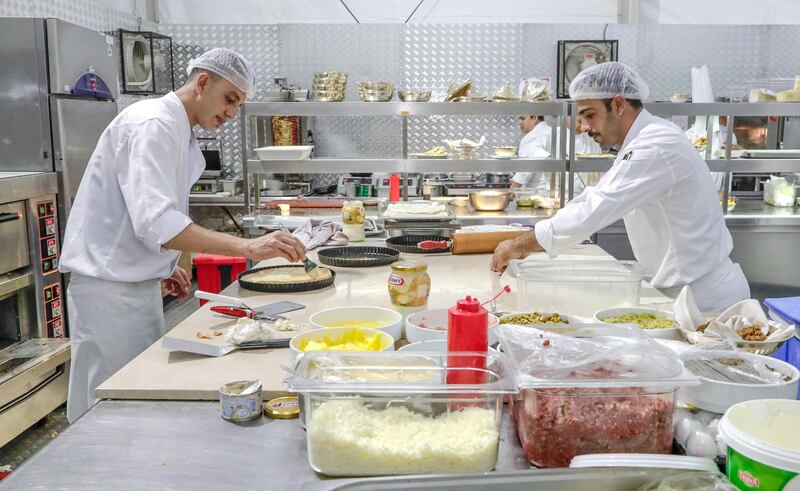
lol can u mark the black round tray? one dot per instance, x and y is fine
(305, 286)
(408, 243)
(358, 256)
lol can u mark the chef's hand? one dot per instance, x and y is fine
(276, 244)
(517, 248)
(178, 284)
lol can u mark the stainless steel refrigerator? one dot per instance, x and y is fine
(47, 125)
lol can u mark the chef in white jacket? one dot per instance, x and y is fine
(658, 185)
(130, 220)
(535, 143)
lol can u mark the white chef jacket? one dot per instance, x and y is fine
(662, 189)
(134, 195)
(535, 144)
(718, 140)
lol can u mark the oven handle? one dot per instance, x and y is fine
(41, 385)
(9, 217)
(11, 282)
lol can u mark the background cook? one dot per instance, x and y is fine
(658, 185)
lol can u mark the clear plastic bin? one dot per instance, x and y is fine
(524, 197)
(374, 414)
(591, 388)
(578, 287)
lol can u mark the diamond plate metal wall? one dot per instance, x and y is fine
(434, 55)
(257, 43)
(88, 13)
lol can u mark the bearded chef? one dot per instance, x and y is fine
(658, 185)
(130, 220)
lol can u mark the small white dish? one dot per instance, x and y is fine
(663, 333)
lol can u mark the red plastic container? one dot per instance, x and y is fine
(467, 330)
(216, 272)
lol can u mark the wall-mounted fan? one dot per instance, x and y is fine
(146, 59)
(574, 56)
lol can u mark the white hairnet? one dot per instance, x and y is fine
(607, 80)
(229, 65)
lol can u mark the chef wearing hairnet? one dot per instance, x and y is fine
(658, 185)
(130, 220)
(535, 143)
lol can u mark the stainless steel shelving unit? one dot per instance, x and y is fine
(404, 165)
(725, 164)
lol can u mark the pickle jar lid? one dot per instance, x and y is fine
(409, 265)
(286, 407)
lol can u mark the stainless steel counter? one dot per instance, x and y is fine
(184, 445)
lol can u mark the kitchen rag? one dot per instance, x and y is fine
(315, 233)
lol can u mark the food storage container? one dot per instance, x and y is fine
(369, 317)
(591, 388)
(371, 414)
(524, 197)
(645, 316)
(409, 283)
(588, 286)
(284, 152)
(341, 339)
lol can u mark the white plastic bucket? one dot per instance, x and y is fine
(756, 461)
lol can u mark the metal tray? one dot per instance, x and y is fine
(408, 243)
(358, 256)
(384, 205)
(283, 287)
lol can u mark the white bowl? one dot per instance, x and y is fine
(717, 396)
(571, 319)
(436, 318)
(284, 152)
(666, 333)
(335, 334)
(430, 346)
(392, 319)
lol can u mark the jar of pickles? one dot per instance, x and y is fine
(409, 283)
(353, 219)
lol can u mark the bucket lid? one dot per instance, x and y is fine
(788, 308)
(656, 461)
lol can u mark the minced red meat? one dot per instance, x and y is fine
(555, 425)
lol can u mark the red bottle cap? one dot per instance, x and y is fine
(469, 304)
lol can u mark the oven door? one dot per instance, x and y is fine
(17, 307)
(13, 236)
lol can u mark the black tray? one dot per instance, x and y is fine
(408, 243)
(305, 286)
(358, 256)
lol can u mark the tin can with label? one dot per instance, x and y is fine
(241, 400)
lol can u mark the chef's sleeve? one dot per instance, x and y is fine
(642, 176)
(522, 178)
(148, 180)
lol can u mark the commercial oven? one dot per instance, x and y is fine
(34, 350)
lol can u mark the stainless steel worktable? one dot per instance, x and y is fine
(184, 445)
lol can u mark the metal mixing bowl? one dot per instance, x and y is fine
(414, 95)
(494, 200)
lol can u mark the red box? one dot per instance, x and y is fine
(216, 272)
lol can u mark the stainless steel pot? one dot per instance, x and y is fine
(490, 200)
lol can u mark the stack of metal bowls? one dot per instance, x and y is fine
(375, 91)
(414, 95)
(329, 86)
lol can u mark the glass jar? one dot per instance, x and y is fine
(353, 220)
(409, 283)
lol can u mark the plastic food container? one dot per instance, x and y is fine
(284, 152)
(717, 395)
(673, 332)
(372, 414)
(591, 388)
(360, 317)
(586, 286)
(523, 197)
(336, 337)
(763, 440)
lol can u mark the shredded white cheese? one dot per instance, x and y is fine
(347, 438)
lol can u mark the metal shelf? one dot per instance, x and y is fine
(324, 166)
(724, 109)
(714, 165)
(403, 108)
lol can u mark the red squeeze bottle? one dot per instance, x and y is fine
(467, 330)
(394, 187)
